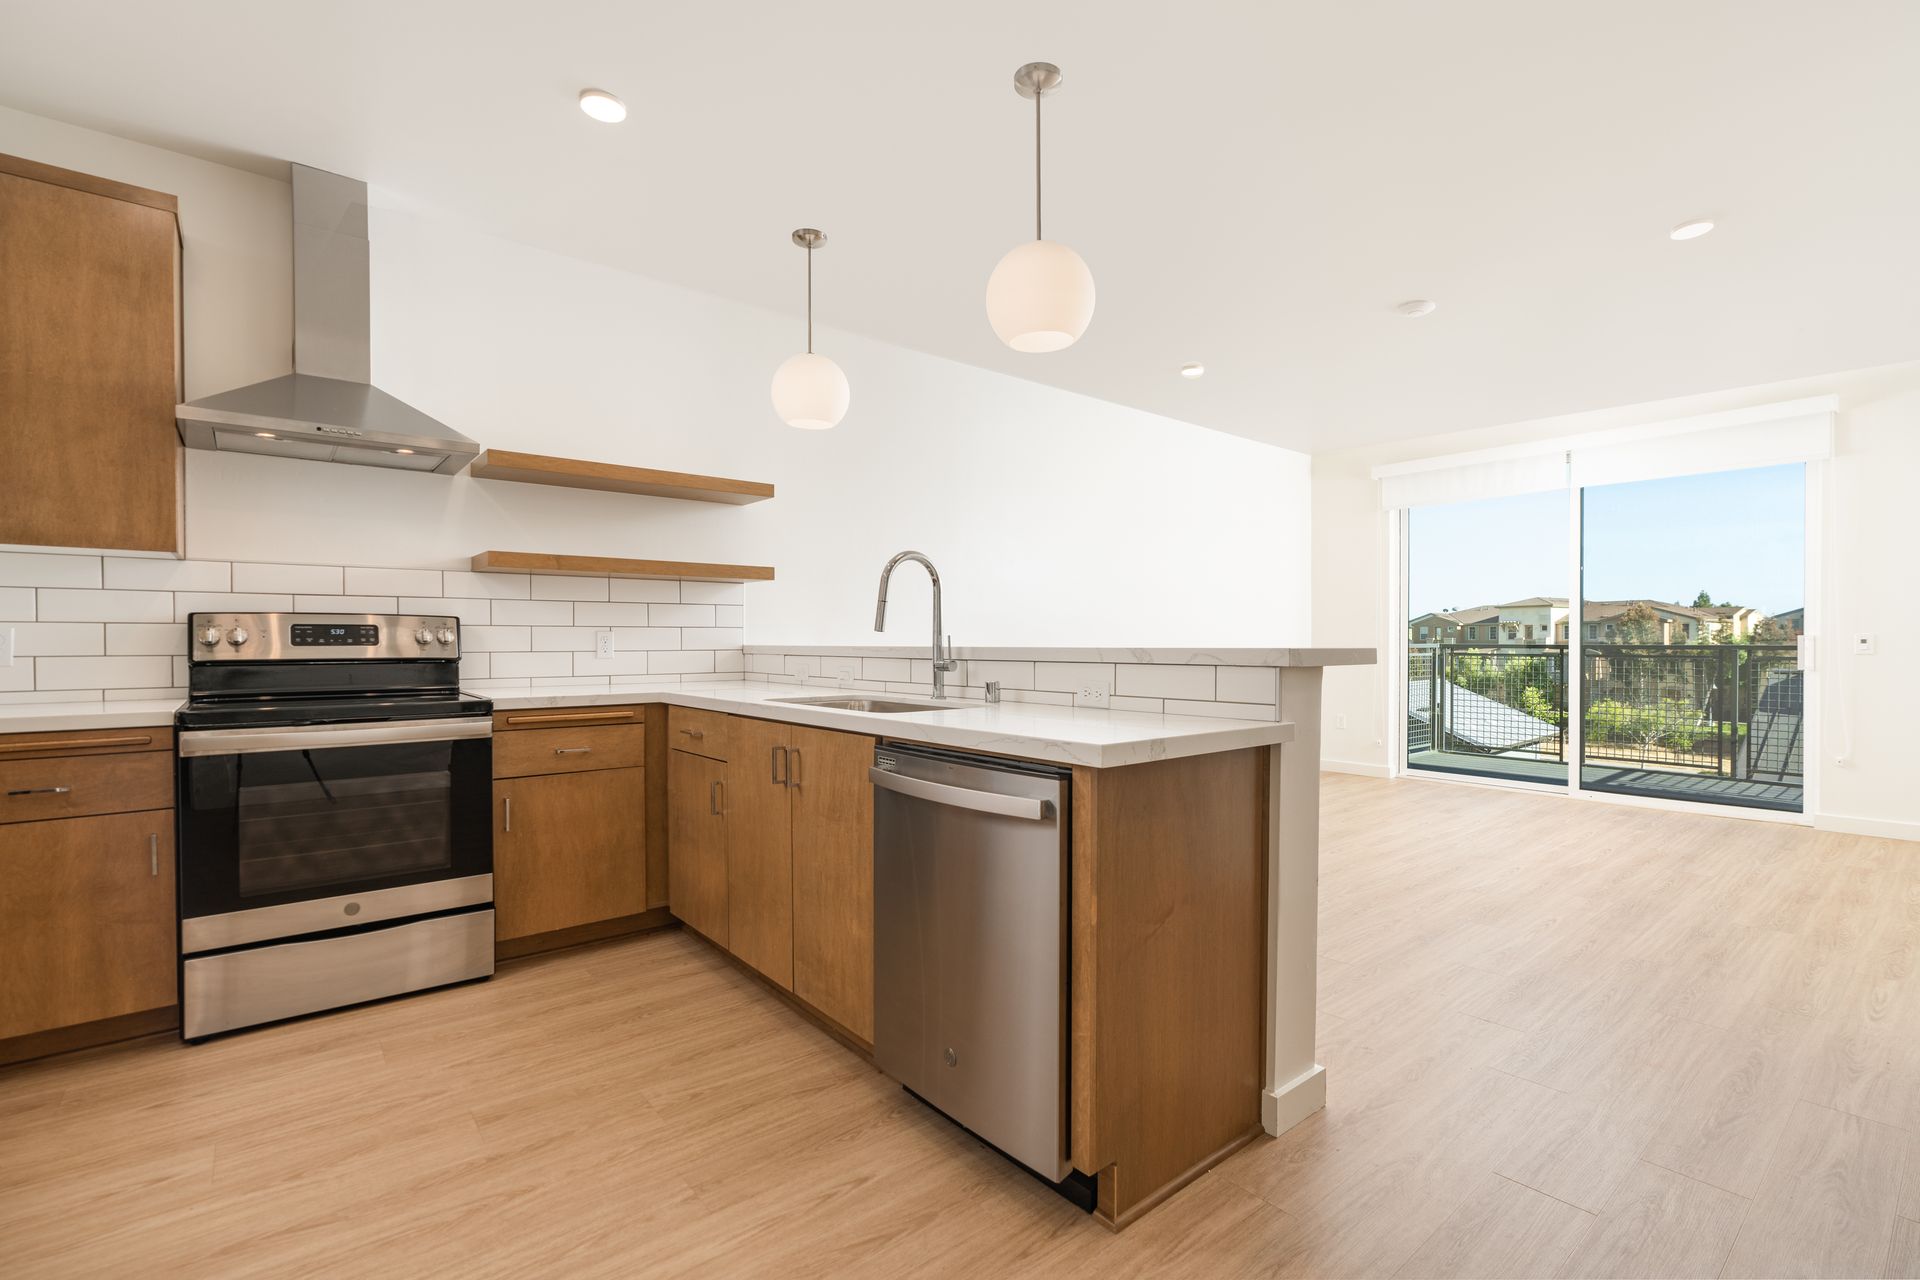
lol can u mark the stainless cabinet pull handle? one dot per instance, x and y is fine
(793, 769)
(713, 797)
(153, 855)
(571, 751)
(695, 733)
(778, 757)
(506, 813)
(40, 791)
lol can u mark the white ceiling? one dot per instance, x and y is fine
(1255, 185)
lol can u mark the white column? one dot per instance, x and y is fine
(1296, 1083)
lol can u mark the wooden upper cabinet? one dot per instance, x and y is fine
(759, 849)
(833, 875)
(697, 839)
(89, 361)
(568, 849)
(87, 927)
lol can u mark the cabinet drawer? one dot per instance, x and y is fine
(75, 786)
(570, 750)
(704, 733)
(564, 717)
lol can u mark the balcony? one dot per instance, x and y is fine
(1723, 724)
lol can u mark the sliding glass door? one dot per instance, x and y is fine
(1486, 638)
(1692, 604)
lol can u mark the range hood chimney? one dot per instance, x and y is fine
(327, 409)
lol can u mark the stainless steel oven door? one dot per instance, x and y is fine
(364, 815)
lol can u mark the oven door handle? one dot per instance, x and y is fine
(234, 742)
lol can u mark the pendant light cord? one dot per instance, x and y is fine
(1036, 167)
(809, 299)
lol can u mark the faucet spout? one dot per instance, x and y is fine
(942, 658)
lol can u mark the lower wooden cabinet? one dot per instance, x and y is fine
(832, 818)
(697, 839)
(568, 849)
(760, 849)
(87, 927)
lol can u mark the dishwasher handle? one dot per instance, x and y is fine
(963, 797)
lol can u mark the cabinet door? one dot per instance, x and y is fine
(697, 843)
(568, 849)
(833, 875)
(87, 925)
(88, 365)
(759, 849)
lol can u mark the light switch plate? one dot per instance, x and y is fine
(603, 644)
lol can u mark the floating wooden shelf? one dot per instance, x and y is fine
(572, 473)
(617, 567)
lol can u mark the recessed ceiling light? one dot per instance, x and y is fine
(403, 451)
(1692, 229)
(602, 106)
(265, 435)
(1417, 307)
(1192, 369)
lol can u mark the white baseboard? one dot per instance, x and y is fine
(1867, 826)
(1364, 768)
(1287, 1105)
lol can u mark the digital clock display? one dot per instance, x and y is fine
(326, 633)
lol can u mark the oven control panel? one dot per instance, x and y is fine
(295, 637)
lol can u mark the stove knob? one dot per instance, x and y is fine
(445, 635)
(422, 636)
(237, 637)
(209, 636)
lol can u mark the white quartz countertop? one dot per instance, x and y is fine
(1035, 731)
(1171, 654)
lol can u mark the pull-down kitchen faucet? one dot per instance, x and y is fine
(941, 665)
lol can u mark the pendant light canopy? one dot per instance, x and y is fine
(1040, 297)
(809, 391)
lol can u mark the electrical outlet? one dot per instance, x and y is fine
(6, 646)
(845, 673)
(603, 644)
(1863, 644)
(1339, 722)
(1091, 695)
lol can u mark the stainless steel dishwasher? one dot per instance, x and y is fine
(970, 899)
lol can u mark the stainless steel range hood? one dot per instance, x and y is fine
(327, 409)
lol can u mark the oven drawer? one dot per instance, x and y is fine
(75, 786)
(569, 750)
(704, 733)
(264, 984)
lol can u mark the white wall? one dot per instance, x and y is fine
(1054, 518)
(1866, 767)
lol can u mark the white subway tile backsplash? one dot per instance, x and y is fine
(393, 582)
(647, 590)
(610, 615)
(475, 666)
(102, 673)
(301, 579)
(12, 697)
(679, 661)
(713, 592)
(711, 637)
(1222, 710)
(38, 569)
(58, 604)
(645, 638)
(620, 664)
(725, 660)
(539, 613)
(729, 615)
(485, 586)
(886, 669)
(1011, 675)
(130, 574)
(33, 639)
(508, 665)
(1120, 702)
(16, 604)
(472, 613)
(17, 678)
(1162, 680)
(492, 639)
(146, 638)
(1247, 684)
(680, 615)
(562, 639)
(189, 602)
(346, 604)
(549, 586)
(1071, 677)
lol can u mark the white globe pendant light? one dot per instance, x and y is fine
(1040, 297)
(809, 391)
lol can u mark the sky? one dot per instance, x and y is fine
(1738, 534)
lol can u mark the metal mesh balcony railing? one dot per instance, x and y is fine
(1728, 711)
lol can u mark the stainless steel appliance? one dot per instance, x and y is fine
(970, 899)
(334, 808)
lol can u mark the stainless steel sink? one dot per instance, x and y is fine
(878, 706)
